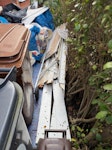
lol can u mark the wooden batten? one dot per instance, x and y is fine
(54, 43)
(47, 74)
(62, 64)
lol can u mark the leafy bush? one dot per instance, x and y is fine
(89, 62)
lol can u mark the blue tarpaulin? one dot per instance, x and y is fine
(32, 42)
(32, 46)
(45, 20)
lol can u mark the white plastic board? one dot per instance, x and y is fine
(45, 112)
(59, 118)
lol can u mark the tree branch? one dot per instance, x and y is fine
(78, 120)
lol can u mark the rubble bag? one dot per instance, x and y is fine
(13, 13)
(14, 40)
(54, 143)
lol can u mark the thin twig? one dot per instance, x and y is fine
(77, 91)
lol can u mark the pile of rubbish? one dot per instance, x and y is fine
(39, 21)
(30, 39)
(24, 37)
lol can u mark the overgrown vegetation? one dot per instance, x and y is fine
(58, 9)
(89, 70)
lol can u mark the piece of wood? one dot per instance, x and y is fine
(47, 74)
(62, 64)
(54, 42)
(59, 118)
(45, 112)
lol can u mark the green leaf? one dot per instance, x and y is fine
(110, 44)
(79, 129)
(93, 130)
(82, 135)
(77, 27)
(72, 128)
(109, 119)
(94, 67)
(107, 87)
(85, 26)
(103, 20)
(73, 140)
(98, 137)
(109, 99)
(101, 114)
(103, 107)
(107, 65)
(95, 101)
(107, 7)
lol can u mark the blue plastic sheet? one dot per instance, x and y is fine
(38, 57)
(3, 20)
(32, 42)
(45, 20)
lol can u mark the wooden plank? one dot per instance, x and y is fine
(52, 73)
(59, 118)
(47, 74)
(62, 64)
(54, 42)
(45, 112)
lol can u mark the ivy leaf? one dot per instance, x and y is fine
(107, 87)
(110, 44)
(107, 65)
(101, 114)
